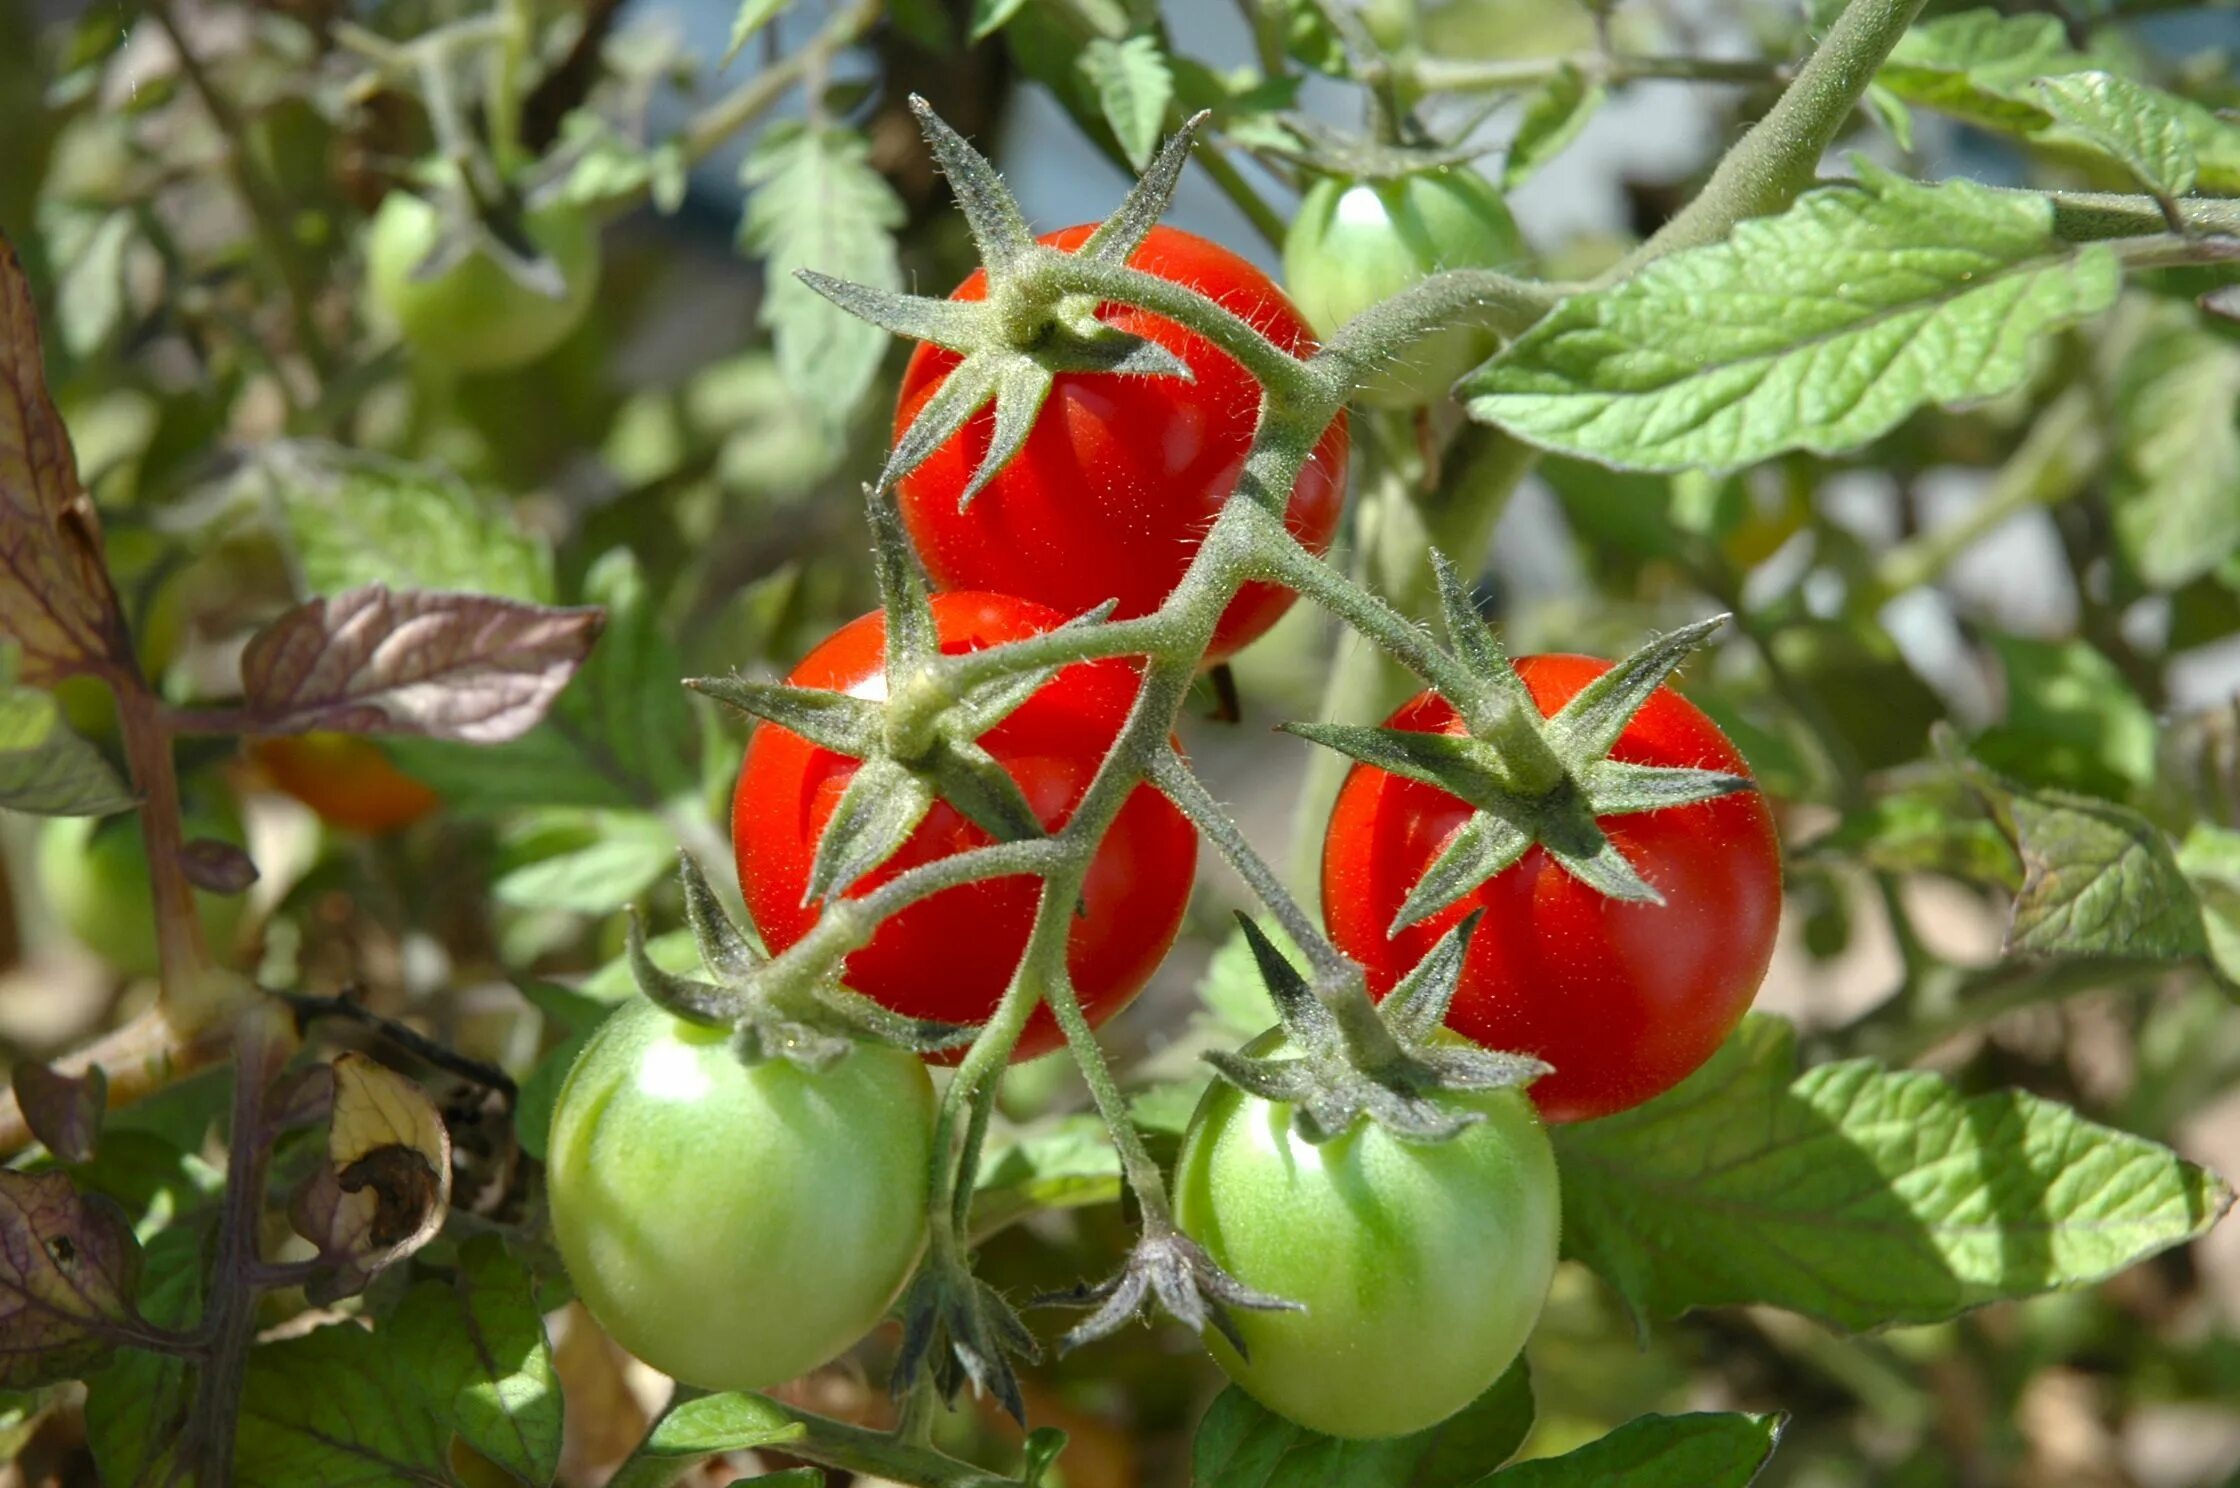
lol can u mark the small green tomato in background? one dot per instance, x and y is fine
(474, 316)
(1356, 242)
(1422, 1266)
(732, 1225)
(95, 876)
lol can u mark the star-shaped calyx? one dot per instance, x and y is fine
(1317, 1070)
(1016, 340)
(1527, 779)
(811, 1023)
(917, 744)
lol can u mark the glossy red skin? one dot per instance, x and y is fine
(950, 956)
(1122, 475)
(1625, 1000)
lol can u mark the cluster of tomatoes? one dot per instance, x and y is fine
(738, 1225)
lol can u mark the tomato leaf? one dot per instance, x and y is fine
(466, 667)
(1134, 85)
(2210, 860)
(1065, 1163)
(1861, 1196)
(752, 17)
(2098, 879)
(2177, 435)
(1820, 329)
(2131, 122)
(1242, 1444)
(354, 518)
(1705, 1450)
(703, 1428)
(465, 1358)
(56, 600)
(2071, 719)
(816, 203)
(586, 862)
(63, 1111)
(1553, 117)
(385, 1185)
(46, 768)
(69, 1271)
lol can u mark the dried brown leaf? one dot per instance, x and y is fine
(56, 601)
(382, 1192)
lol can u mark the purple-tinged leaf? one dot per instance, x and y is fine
(69, 1269)
(217, 867)
(63, 1111)
(465, 667)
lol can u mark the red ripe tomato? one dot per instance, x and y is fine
(1624, 1000)
(1122, 475)
(950, 956)
(346, 779)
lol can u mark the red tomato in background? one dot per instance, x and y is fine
(950, 956)
(1122, 475)
(1625, 1000)
(346, 779)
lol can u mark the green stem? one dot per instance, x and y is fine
(1288, 381)
(875, 1454)
(1506, 75)
(1780, 157)
(2055, 460)
(2091, 216)
(1457, 297)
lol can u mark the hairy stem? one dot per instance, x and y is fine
(1507, 75)
(1780, 157)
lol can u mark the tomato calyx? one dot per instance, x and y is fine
(965, 1331)
(917, 744)
(1531, 780)
(812, 1022)
(1028, 329)
(1172, 1269)
(1321, 1074)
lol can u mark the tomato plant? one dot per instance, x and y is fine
(346, 779)
(495, 418)
(1120, 476)
(696, 1199)
(1421, 1268)
(1624, 1000)
(473, 315)
(950, 957)
(1357, 242)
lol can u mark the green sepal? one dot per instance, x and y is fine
(830, 720)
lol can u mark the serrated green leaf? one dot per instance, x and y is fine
(1974, 66)
(700, 1429)
(1553, 117)
(1819, 329)
(2210, 860)
(46, 768)
(1861, 1196)
(2098, 879)
(2177, 432)
(2071, 719)
(816, 203)
(752, 17)
(631, 852)
(1925, 830)
(1242, 1444)
(342, 1405)
(1134, 85)
(1706, 1450)
(356, 519)
(2131, 122)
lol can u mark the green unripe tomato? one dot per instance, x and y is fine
(1357, 242)
(732, 1225)
(95, 876)
(475, 316)
(1422, 1266)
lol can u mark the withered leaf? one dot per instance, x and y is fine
(469, 667)
(56, 601)
(69, 1268)
(382, 1192)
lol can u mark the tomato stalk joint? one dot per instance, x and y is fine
(1533, 781)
